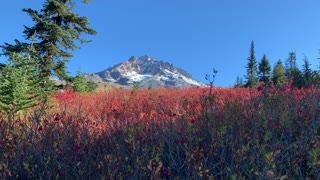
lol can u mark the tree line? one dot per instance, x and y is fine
(281, 73)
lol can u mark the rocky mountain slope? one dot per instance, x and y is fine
(147, 72)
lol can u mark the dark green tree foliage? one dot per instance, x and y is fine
(298, 80)
(2, 65)
(18, 87)
(307, 72)
(292, 72)
(54, 35)
(80, 84)
(291, 65)
(264, 70)
(278, 75)
(91, 86)
(252, 68)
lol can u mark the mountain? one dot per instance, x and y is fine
(146, 71)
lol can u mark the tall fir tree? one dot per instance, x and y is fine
(252, 68)
(291, 65)
(278, 74)
(264, 70)
(297, 78)
(307, 72)
(54, 36)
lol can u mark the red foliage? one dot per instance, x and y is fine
(197, 121)
(76, 147)
(192, 121)
(105, 111)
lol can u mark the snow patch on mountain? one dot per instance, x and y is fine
(135, 77)
(179, 76)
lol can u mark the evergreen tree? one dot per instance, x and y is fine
(91, 86)
(316, 74)
(19, 85)
(278, 74)
(239, 82)
(315, 77)
(298, 80)
(79, 83)
(53, 36)
(264, 70)
(307, 72)
(291, 65)
(251, 68)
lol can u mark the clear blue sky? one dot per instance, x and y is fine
(196, 35)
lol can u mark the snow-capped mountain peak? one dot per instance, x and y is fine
(146, 71)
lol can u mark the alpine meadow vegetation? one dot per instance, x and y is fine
(265, 128)
(245, 133)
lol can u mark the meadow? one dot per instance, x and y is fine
(194, 133)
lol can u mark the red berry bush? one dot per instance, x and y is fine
(233, 133)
